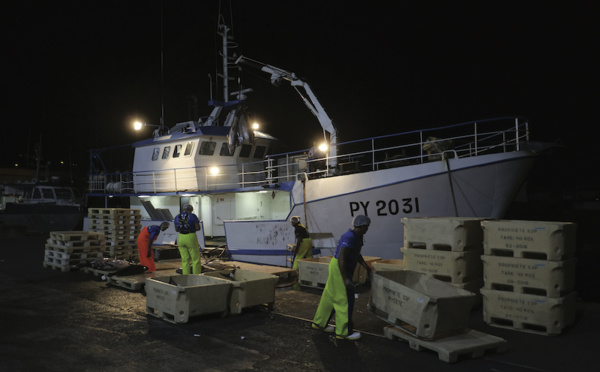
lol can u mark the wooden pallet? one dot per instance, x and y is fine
(96, 272)
(136, 282)
(471, 344)
(69, 236)
(73, 250)
(114, 228)
(75, 243)
(308, 283)
(83, 256)
(121, 243)
(113, 212)
(59, 267)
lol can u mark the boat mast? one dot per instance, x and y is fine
(162, 68)
(223, 32)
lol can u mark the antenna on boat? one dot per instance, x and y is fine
(162, 68)
(223, 30)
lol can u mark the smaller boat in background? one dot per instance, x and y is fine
(40, 207)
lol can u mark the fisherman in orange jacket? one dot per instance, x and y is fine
(144, 242)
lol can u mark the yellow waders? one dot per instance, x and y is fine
(304, 251)
(189, 249)
(334, 298)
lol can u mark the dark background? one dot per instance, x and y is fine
(76, 73)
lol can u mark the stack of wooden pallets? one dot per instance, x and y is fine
(66, 249)
(121, 227)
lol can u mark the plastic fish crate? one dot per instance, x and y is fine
(452, 267)
(443, 233)
(177, 298)
(552, 241)
(472, 286)
(421, 305)
(249, 288)
(528, 313)
(390, 264)
(313, 272)
(527, 276)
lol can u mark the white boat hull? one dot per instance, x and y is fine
(482, 187)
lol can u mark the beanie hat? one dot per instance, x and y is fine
(361, 220)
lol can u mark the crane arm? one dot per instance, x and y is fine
(313, 104)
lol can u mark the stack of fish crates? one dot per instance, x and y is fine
(67, 249)
(529, 275)
(121, 227)
(448, 249)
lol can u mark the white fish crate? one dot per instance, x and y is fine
(389, 264)
(177, 298)
(528, 313)
(452, 267)
(248, 288)
(313, 272)
(527, 276)
(421, 305)
(443, 233)
(552, 241)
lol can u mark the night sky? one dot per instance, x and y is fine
(78, 72)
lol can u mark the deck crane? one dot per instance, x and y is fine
(311, 101)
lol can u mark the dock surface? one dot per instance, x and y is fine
(75, 320)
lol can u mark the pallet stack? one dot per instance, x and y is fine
(529, 275)
(121, 227)
(67, 249)
(448, 249)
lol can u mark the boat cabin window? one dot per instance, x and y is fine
(259, 152)
(48, 193)
(36, 194)
(166, 152)
(63, 193)
(177, 151)
(155, 153)
(245, 151)
(188, 149)
(225, 150)
(207, 148)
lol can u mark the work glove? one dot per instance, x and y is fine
(350, 287)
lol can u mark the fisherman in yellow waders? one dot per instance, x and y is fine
(186, 224)
(338, 295)
(303, 248)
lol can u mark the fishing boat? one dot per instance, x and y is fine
(40, 206)
(245, 191)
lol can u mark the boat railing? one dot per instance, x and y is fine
(407, 148)
(377, 153)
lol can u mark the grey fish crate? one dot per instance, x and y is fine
(421, 305)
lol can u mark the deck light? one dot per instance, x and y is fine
(214, 171)
(255, 126)
(323, 147)
(159, 131)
